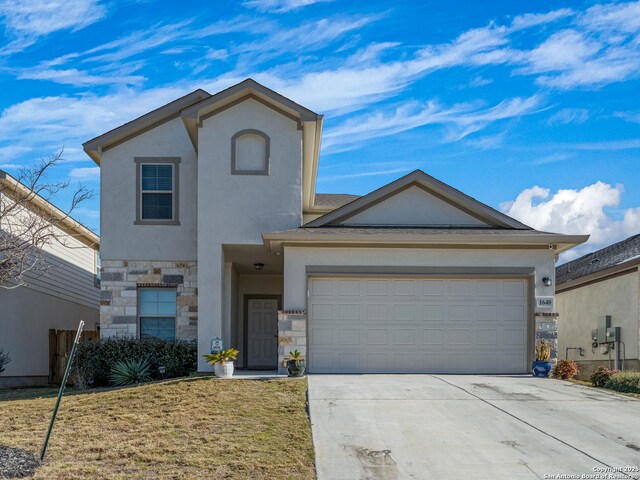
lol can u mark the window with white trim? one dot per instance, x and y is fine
(157, 312)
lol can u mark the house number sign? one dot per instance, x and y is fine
(544, 302)
(217, 345)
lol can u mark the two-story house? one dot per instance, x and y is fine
(211, 227)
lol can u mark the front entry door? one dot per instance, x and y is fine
(262, 351)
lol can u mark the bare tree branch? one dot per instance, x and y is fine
(30, 223)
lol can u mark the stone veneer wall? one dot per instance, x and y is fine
(547, 330)
(292, 335)
(119, 294)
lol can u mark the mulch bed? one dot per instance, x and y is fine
(17, 463)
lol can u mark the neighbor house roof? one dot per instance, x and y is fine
(421, 236)
(606, 261)
(81, 232)
(334, 200)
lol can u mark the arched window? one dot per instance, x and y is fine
(250, 153)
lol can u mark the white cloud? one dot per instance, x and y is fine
(375, 173)
(581, 211)
(569, 115)
(10, 152)
(461, 120)
(280, 6)
(27, 20)
(78, 78)
(85, 173)
(529, 20)
(633, 116)
(561, 51)
(617, 16)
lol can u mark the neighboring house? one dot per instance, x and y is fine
(606, 282)
(211, 225)
(56, 299)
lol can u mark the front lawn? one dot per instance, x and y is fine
(187, 428)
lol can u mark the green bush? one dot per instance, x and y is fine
(600, 377)
(4, 359)
(95, 358)
(627, 382)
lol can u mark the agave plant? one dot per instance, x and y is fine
(127, 372)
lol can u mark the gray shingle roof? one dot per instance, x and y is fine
(411, 230)
(334, 199)
(599, 260)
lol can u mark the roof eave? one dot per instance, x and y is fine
(558, 243)
(139, 125)
(91, 239)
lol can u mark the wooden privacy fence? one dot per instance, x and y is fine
(60, 342)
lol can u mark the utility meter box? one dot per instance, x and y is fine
(603, 334)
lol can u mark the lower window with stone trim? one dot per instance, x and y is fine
(157, 312)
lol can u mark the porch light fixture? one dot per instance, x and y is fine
(546, 281)
(258, 266)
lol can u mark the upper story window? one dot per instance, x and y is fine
(250, 153)
(157, 190)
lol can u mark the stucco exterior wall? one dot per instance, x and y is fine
(241, 207)
(121, 239)
(297, 259)
(25, 319)
(580, 307)
(413, 206)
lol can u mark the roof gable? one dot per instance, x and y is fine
(417, 199)
(140, 125)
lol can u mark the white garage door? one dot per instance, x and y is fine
(429, 325)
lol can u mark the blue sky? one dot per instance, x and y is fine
(530, 107)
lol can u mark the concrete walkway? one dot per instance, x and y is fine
(468, 427)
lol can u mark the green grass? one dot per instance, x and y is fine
(187, 428)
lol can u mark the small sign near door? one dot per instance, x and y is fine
(217, 345)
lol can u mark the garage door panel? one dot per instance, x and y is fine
(377, 313)
(433, 313)
(361, 325)
(377, 288)
(403, 336)
(378, 336)
(349, 336)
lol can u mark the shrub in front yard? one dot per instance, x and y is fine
(600, 377)
(4, 359)
(627, 382)
(95, 358)
(565, 369)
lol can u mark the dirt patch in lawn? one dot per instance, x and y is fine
(190, 428)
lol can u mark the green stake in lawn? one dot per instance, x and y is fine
(64, 383)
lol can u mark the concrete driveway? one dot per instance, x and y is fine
(468, 427)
